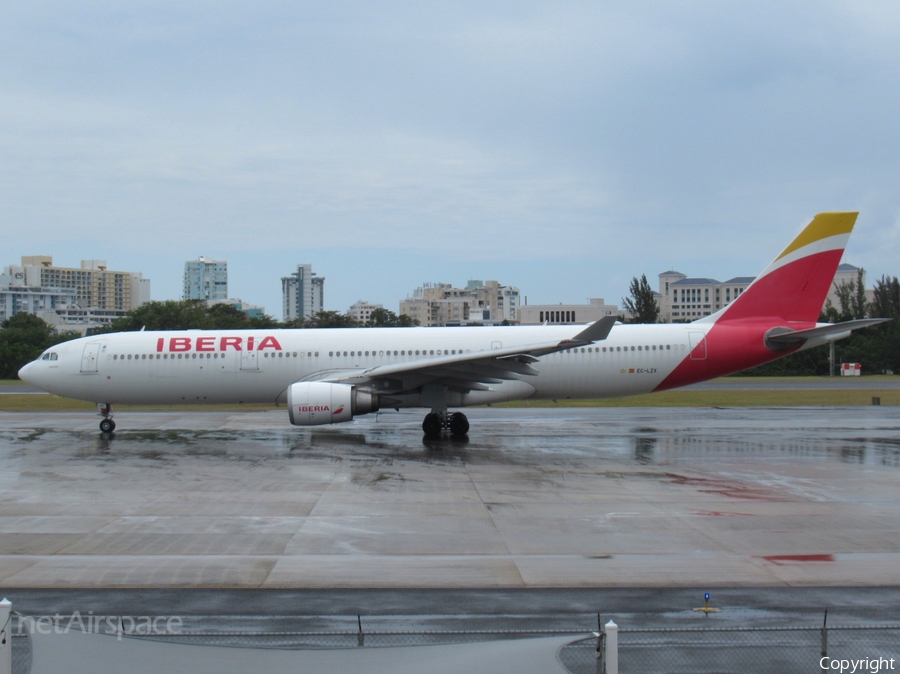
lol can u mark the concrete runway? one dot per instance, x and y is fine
(534, 499)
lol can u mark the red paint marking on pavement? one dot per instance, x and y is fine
(780, 560)
(720, 513)
(729, 488)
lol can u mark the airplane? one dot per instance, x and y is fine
(329, 376)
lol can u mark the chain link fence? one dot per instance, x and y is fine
(738, 649)
(21, 653)
(645, 650)
(326, 640)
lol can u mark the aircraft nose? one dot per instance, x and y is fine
(24, 373)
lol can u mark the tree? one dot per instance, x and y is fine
(852, 302)
(23, 338)
(642, 304)
(329, 319)
(188, 315)
(382, 318)
(886, 299)
(385, 318)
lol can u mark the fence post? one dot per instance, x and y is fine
(612, 648)
(825, 635)
(5, 637)
(360, 637)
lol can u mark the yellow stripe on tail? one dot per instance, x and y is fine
(822, 226)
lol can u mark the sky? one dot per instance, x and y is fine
(560, 147)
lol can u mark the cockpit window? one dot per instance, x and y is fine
(46, 356)
(53, 356)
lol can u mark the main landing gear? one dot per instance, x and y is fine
(435, 422)
(107, 425)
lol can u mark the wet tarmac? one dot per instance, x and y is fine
(532, 498)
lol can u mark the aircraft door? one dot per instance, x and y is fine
(698, 345)
(89, 357)
(249, 360)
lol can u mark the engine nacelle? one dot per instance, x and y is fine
(314, 403)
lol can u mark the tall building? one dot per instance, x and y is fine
(205, 279)
(485, 302)
(70, 298)
(302, 293)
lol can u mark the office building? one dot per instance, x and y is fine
(683, 299)
(480, 302)
(303, 293)
(361, 311)
(537, 314)
(68, 297)
(205, 279)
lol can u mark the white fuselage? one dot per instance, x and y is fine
(257, 366)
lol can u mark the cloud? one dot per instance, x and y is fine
(702, 131)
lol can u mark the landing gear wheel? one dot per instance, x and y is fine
(432, 424)
(459, 425)
(107, 426)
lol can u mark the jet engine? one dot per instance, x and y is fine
(314, 403)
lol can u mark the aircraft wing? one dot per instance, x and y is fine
(465, 372)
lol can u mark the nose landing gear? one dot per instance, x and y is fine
(435, 422)
(107, 425)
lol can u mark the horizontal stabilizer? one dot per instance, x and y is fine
(779, 339)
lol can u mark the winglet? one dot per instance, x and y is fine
(597, 331)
